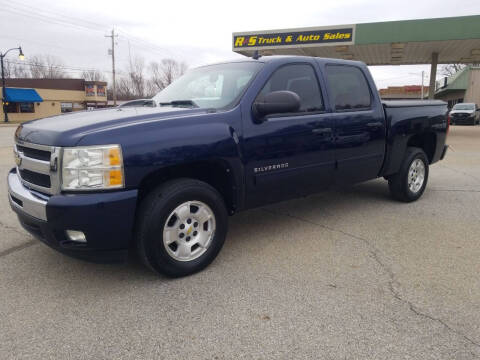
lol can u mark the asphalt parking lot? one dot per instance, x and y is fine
(348, 274)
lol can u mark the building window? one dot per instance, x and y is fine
(27, 107)
(100, 90)
(66, 107)
(12, 107)
(78, 106)
(90, 90)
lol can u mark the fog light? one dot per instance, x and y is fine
(77, 236)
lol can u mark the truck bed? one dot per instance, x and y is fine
(410, 103)
(411, 123)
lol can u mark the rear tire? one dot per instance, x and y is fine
(181, 227)
(409, 183)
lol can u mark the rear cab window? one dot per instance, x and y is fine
(348, 88)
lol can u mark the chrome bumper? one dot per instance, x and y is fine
(22, 199)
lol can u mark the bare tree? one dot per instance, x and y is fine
(164, 72)
(93, 75)
(132, 83)
(451, 69)
(8, 69)
(136, 82)
(136, 74)
(46, 67)
(14, 69)
(124, 88)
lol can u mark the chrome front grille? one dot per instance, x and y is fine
(37, 166)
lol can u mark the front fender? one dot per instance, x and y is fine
(178, 146)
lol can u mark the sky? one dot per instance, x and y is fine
(196, 32)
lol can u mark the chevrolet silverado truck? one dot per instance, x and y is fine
(226, 137)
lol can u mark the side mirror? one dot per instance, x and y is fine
(276, 102)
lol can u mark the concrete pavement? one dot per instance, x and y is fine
(348, 274)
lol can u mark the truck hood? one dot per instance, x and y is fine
(68, 129)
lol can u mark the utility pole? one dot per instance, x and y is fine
(113, 36)
(4, 92)
(423, 86)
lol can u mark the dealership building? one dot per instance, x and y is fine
(452, 40)
(28, 99)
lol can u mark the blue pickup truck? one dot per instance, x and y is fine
(224, 138)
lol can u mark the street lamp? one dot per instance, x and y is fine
(4, 93)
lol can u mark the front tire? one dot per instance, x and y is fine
(181, 227)
(410, 182)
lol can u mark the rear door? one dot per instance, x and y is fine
(289, 155)
(360, 129)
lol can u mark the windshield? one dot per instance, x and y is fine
(464, 107)
(214, 86)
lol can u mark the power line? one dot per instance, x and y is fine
(59, 19)
(42, 15)
(60, 15)
(52, 45)
(147, 45)
(61, 67)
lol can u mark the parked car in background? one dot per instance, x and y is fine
(465, 114)
(139, 103)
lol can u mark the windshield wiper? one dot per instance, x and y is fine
(188, 103)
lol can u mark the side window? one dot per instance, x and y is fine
(300, 79)
(348, 87)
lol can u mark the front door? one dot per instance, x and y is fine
(289, 155)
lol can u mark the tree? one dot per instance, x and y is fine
(124, 88)
(15, 69)
(138, 82)
(451, 69)
(163, 73)
(93, 75)
(46, 67)
(132, 83)
(136, 73)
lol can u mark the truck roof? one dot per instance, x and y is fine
(290, 58)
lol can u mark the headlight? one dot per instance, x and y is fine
(92, 168)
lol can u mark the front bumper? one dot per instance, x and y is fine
(469, 120)
(107, 220)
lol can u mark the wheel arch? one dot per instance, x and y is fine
(217, 173)
(426, 141)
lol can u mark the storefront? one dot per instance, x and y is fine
(29, 99)
(21, 100)
(464, 86)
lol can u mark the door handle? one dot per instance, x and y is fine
(375, 125)
(322, 131)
